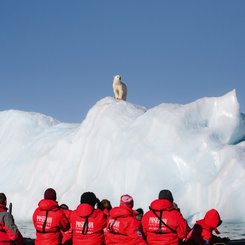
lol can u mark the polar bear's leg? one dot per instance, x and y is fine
(116, 93)
(120, 94)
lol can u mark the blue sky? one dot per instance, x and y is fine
(59, 57)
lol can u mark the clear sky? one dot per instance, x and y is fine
(59, 57)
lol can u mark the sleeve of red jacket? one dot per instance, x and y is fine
(183, 227)
(64, 222)
(101, 220)
(12, 230)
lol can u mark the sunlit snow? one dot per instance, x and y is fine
(196, 150)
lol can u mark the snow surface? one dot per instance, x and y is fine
(196, 150)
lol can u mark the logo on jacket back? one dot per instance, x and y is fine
(154, 223)
(80, 224)
(41, 220)
(114, 225)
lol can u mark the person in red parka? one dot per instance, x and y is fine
(66, 235)
(105, 206)
(87, 222)
(201, 232)
(49, 220)
(122, 225)
(9, 232)
(163, 223)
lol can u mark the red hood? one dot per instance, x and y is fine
(122, 211)
(84, 210)
(48, 205)
(211, 220)
(161, 204)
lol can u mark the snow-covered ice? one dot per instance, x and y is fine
(196, 150)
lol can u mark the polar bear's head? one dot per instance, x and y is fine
(117, 77)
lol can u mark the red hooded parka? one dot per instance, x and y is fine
(49, 220)
(123, 227)
(202, 230)
(87, 225)
(159, 234)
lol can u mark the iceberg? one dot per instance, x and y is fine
(196, 150)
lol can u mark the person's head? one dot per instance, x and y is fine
(104, 204)
(64, 206)
(89, 198)
(166, 194)
(3, 199)
(140, 213)
(50, 194)
(127, 201)
(213, 220)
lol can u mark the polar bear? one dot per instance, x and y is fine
(119, 88)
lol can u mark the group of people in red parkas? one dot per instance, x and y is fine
(103, 225)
